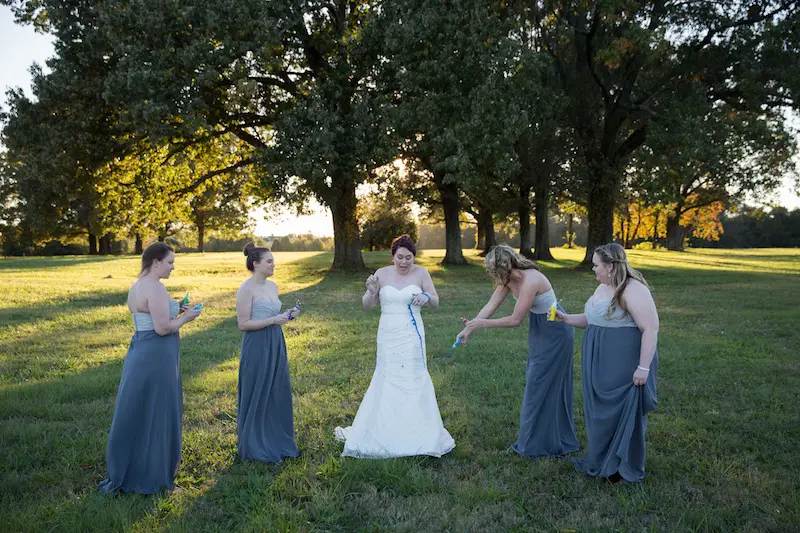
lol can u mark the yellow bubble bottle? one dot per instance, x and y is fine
(551, 313)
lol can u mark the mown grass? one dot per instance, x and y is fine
(722, 446)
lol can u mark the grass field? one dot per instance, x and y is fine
(722, 446)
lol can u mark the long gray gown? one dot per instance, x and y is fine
(546, 420)
(144, 444)
(265, 420)
(615, 409)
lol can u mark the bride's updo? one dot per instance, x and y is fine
(502, 259)
(404, 241)
(254, 254)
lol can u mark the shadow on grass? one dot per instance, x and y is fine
(55, 430)
(37, 263)
(81, 301)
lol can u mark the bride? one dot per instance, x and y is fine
(399, 415)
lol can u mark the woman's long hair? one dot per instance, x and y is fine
(502, 259)
(614, 254)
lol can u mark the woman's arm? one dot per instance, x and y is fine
(371, 296)
(527, 293)
(497, 298)
(576, 321)
(429, 289)
(158, 302)
(639, 303)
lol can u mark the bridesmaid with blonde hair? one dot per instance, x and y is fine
(546, 424)
(619, 363)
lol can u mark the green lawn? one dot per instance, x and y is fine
(722, 446)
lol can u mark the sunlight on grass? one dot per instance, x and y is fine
(721, 445)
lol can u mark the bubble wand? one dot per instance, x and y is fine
(453, 347)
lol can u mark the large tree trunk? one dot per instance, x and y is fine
(480, 236)
(138, 247)
(452, 228)
(105, 244)
(92, 244)
(200, 222)
(675, 233)
(346, 238)
(524, 212)
(600, 216)
(541, 204)
(486, 227)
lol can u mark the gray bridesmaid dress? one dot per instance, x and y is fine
(615, 409)
(546, 422)
(144, 444)
(265, 420)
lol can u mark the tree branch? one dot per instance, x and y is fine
(249, 138)
(205, 177)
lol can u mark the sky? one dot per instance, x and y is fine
(20, 47)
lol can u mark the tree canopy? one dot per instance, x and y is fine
(155, 116)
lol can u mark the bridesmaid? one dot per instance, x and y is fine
(546, 424)
(619, 365)
(265, 422)
(144, 444)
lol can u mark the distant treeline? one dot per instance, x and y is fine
(749, 228)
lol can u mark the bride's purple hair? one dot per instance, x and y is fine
(403, 241)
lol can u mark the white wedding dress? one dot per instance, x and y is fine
(399, 415)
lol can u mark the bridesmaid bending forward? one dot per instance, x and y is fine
(546, 424)
(618, 365)
(265, 422)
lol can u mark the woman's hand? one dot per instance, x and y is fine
(281, 319)
(640, 376)
(420, 299)
(183, 308)
(191, 313)
(561, 316)
(464, 336)
(373, 284)
(472, 325)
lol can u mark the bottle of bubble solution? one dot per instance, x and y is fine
(551, 313)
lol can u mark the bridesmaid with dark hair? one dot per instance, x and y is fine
(546, 421)
(619, 363)
(265, 421)
(144, 444)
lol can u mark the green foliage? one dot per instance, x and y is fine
(384, 217)
(159, 116)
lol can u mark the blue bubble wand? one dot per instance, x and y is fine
(453, 347)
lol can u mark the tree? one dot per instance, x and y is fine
(568, 211)
(702, 153)
(446, 66)
(621, 63)
(289, 79)
(57, 146)
(384, 217)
